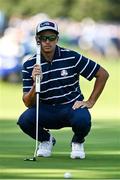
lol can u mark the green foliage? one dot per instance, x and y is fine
(75, 9)
(98, 10)
(113, 12)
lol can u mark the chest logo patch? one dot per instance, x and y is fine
(64, 72)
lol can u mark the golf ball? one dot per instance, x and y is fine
(67, 175)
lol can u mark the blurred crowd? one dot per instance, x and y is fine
(17, 41)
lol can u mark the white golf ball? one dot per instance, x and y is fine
(67, 175)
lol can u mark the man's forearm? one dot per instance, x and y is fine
(100, 82)
(29, 97)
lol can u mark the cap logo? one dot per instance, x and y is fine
(47, 24)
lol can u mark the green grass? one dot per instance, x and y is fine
(102, 145)
(102, 154)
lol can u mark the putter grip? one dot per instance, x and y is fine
(38, 61)
(37, 83)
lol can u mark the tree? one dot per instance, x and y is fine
(75, 9)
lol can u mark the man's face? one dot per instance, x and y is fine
(48, 40)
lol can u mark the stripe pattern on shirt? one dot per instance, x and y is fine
(60, 83)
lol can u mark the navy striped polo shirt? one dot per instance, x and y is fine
(60, 83)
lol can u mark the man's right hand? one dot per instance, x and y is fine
(36, 71)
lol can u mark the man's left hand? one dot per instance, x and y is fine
(82, 104)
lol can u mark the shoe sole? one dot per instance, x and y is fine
(82, 156)
(77, 157)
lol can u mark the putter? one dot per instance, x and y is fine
(37, 89)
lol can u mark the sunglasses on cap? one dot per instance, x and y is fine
(51, 37)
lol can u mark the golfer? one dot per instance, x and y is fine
(62, 102)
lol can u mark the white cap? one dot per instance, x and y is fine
(47, 25)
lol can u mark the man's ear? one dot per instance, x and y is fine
(37, 40)
(57, 38)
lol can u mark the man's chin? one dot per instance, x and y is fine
(47, 50)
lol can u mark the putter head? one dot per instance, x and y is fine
(30, 159)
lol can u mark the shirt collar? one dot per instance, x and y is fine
(57, 54)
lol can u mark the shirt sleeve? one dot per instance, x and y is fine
(87, 67)
(26, 78)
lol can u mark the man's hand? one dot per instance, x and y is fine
(36, 71)
(82, 104)
(101, 78)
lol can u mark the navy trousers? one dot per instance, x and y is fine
(56, 117)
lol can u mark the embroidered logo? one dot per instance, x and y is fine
(64, 72)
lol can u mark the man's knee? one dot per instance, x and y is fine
(27, 118)
(22, 122)
(81, 123)
(81, 120)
